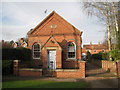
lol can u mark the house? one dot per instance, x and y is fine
(21, 43)
(94, 48)
(56, 48)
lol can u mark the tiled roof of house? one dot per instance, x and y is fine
(95, 46)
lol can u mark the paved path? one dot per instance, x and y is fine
(92, 70)
(103, 82)
(99, 78)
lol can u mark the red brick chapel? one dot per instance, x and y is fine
(56, 45)
(55, 38)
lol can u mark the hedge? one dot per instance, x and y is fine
(7, 67)
(23, 54)
(97, 56)
(88, 56)
(105, 56)
(115, 54)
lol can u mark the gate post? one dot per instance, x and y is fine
(118, 68)
(16, 67)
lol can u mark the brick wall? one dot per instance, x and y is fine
(109, 65)
(118, 68)
(71, 73)
(60, 73)
(71, 64)
(30, 72)
(106, 65)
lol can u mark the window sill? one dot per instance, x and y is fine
(36, 58)
(71, 59)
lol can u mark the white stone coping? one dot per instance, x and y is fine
(71, 59)
(75, 60)
(30, 69)
(67, 70)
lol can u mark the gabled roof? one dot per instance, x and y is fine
(52, 15)
(19, 44)
(23, 43)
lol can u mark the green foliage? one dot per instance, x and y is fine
(16, 54)
(7, 67)
(115, 54)
(105, 56)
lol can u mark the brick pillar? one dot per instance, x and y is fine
(58, 59)
(118, 68)
(82, 68)
(44, 58)
(15, 67)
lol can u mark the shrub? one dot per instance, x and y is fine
(105, 56)
(7, 67)
(88, 56)
(97, 56)
(23, 54)
(115, 54)
(100, 56)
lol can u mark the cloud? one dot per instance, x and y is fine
(13, 32)
(20, 17)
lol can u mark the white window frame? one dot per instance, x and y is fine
(75, 50)
(33, 50)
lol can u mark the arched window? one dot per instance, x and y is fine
(71, 50)
(36, 51)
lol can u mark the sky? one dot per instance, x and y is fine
(17, 18)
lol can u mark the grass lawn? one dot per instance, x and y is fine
(43, 84)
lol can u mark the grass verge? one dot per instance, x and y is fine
(43, 84)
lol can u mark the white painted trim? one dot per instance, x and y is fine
(75, 51)
(30, 69)
(55, 57)
(68, 70)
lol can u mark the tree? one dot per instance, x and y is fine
(107, 12)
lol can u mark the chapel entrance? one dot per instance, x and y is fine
(52, 59)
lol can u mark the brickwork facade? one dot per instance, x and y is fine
(55, 33)
(56, 39)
